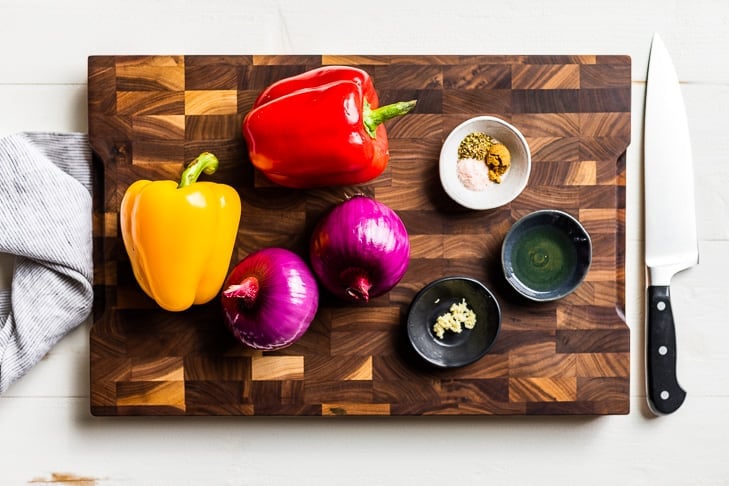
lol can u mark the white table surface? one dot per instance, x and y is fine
(47, 433)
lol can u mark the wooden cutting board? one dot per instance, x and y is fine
(150, 115)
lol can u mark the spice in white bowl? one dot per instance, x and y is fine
(512, 170)
(473, 174)
(498, 161)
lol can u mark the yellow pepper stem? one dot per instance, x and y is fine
(205, 162)
(246, 291)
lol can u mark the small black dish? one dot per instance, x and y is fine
(546, 255)
(454, 349)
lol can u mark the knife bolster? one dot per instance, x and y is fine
(660, 276)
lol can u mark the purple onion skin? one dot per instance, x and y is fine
(276, 302)
(360, 249)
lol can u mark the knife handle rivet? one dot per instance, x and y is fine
(661, 306)
(665, 395)
(662, 350)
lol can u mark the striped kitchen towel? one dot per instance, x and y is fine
(45, 224)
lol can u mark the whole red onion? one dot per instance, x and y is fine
(270, 298)
(360, 249)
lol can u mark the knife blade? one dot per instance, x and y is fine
(671, 243)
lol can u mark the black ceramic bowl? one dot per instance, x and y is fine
(454, 349)
(546, 255)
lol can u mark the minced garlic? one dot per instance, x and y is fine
(459, 316)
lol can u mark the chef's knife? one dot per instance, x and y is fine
(670, 222)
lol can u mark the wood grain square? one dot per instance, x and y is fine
(477, 76)
(155, 73)
(260, 76)
(545, 76)
(427, 246)
(548, 125)
(540, 360)
(150, 103)
(362, 343)
(582, 173)
(475, 391)
(394, 76)
(602, 221)
(211, 102)
(277, 368)
(603, 247)
(479, 101)
(157, 369)
(275, 395)
(211, 73)
(150, 393)
(602, 389)
(110, 225)
(592, 341)
(565, 197)
(101, 85)
(351, 60)
(584, 317)
(604, 292)
(614, 74)
(604, 100)
(543, 389)
(428, 100)
(555, 149)
(152, 127)
(407, 391)
(426, 133)
(163, 158)
(334, 391)
(279, 60)
(510, 341)
(212, 127)
(260, 220)
(340, 368)
(370, 319)
(112, 370)
(408, 197)
(518, 315)
(221, 368)
(350, 408)
(545, 101)
(560, 59)
(604, 124)
(603, 364)
(202, 397)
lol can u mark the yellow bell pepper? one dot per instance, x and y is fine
(180, 237)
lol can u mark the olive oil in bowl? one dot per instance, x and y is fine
(544, 258)
(546, 255)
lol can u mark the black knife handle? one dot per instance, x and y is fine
(665, 395)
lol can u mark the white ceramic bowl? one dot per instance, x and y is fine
(495, 194)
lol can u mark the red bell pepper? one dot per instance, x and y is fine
(320, 128)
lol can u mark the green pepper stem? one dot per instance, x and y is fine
(205, 162)
(373, 118)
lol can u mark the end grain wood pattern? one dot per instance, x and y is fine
(149, 115)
